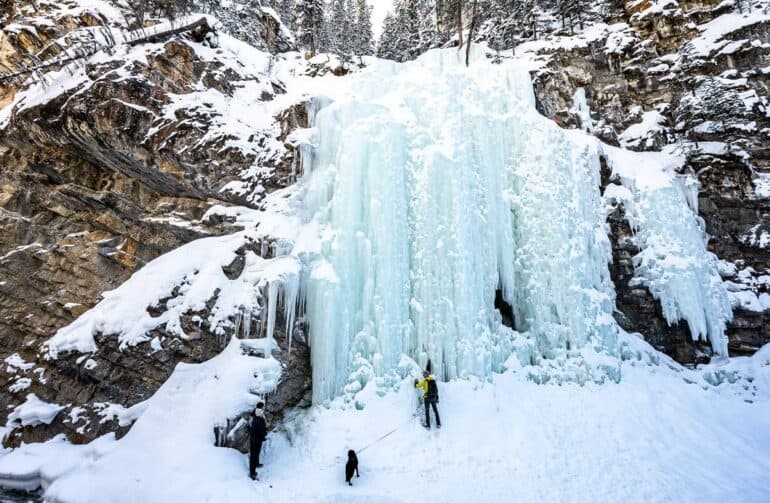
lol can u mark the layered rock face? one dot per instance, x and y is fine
(115, 167)
(640, 77)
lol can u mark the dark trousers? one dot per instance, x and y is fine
(254, 457)
(428, 402)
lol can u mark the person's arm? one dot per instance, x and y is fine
(357, 474)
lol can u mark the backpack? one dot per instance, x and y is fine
(432, 390)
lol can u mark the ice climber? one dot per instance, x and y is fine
(430, 395)
(257, 435)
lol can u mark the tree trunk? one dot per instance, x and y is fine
(470, 34)
(459, 22)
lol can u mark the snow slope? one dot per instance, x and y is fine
(661, 434)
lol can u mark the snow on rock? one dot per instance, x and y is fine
(16, 363)
(183, 281)
(673, 263)
(20, 384)
(757, 237)
(169, 453)
(762, 185)
(32, 412)
(124, 415)
(713, 33)
(643, 134)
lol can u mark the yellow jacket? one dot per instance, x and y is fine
(424, 385)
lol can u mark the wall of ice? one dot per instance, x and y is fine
(437, 185)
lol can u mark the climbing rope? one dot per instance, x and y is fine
(389, 433)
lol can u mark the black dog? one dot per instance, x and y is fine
(351, 466)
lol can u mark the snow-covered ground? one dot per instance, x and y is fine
(661, 434)
(653, 437)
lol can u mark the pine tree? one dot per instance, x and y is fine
(711, 107)
(165, 8)
(401, 32)
(311, 25)
(336, 21)
(571, 13)
(363, 29)
(349, 29)
(387, 47)
(410, 31)
(428, 33)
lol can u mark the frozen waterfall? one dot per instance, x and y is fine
(438, 185)
(429, 192)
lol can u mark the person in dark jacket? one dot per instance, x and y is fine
(430, 395)
(257, 435)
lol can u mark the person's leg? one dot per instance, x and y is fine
(253, 459)
(427, 412)
(435, 411)
(258, 450)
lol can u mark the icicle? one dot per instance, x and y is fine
(272, 301)
(291, 292)
(580, 107)
(674, 262)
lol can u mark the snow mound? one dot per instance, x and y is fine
(33, 412)
(169, 453)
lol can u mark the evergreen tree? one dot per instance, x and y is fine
(507, 22)
(363, 29)
(387, 47)
(428, 34)
(571, 13)
(449, 19)
(349, 29)
(311, 25)
(711, 107)
(165, 8)
(410, 31)
(336, 22)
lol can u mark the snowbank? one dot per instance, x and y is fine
(32, 412)
(661, 434)
(169, 453)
